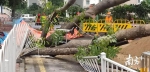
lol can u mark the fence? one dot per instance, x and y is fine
(100, 27)
(90, 64)
(123, 21)
(132, 22)
(12, 47)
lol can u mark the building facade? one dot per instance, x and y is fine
(86, 3)
(38, 2)
(133, 2)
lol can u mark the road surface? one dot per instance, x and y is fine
(62, 63)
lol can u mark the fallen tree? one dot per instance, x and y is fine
(90, 13)
(132, 33)
(128, 34)
(53, 51)
(136, 32)
(53, 15)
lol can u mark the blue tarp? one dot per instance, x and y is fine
(3, 38)
(17, 21)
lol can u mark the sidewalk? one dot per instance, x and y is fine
(20, 67)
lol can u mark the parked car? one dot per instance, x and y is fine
(28, 17)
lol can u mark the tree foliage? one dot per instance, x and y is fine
(101, 44)
(141, 11)
(13, 4)
(3, 2)
(57, 3)
(34, 9)
(147, 1)
(74, 9)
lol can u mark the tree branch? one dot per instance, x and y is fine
(98, 8)
(51, 17)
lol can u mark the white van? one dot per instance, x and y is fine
(28, 17)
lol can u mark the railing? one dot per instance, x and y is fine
(132, 22)
(90, 64)
(106, 64)
(101, 27)
(12, 47)
(145, 62)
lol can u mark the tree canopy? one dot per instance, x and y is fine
(3, 2)
(57, 3)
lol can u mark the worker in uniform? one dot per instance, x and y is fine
(38, 21)
(109, 19)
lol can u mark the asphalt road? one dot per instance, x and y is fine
(61, 63)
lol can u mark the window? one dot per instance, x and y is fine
(87, 1)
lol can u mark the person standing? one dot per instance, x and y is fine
(38, 22)
(109, 18)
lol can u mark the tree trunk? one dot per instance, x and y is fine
(53, 15)
(136, 32)
(13, 12)
(76, 43)
(54, 51)
(98, 8)
(13, 8)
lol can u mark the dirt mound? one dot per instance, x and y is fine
(137, 47)
(134, 48)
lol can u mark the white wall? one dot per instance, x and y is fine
(94, 1)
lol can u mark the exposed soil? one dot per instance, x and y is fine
(134, 48)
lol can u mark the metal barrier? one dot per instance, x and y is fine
(138, 22)
(90, 64)
(101, 27)
(106, 63)
(12, 47)
(121, 21)
(132, 22)
(29, 44)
